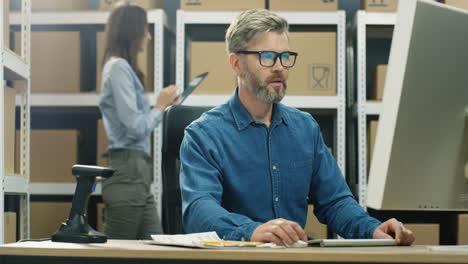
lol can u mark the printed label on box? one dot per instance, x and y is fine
(320, 77)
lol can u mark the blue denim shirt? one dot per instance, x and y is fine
(236, 174)
(127, 114)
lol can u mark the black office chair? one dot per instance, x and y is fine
(176, 119)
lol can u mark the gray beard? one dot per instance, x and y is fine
(260, 90)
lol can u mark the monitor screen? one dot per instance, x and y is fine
(421, 146)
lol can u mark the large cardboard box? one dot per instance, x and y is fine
(55, 61)
(207, 56)
(211, 5)
(10, 227)
(379, 82)
(102, 145)
(147, 4)
(303, 5)
(46, 217)
(60, 5)
(379, 5)
(145, 62)
(426, 234)
(6, 23)
(313, 228)
(457, 3)
(461, 229)
(100, 214)
(9, 114)
(371, 133)
(53, 153)
(315, 69)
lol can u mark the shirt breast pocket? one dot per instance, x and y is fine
(300, 173)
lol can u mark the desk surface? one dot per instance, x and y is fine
(138, 250)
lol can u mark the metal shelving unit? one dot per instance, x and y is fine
(17, 67)
(360, 28)
(336, 103)
(158, 19)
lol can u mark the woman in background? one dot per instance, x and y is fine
(129, 120)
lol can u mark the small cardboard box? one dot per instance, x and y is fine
(100, 214)
(59, 5)
(53, 153)
(9, 112)
(146, 4)
(379, 5)
(210, 56)
(55, 61)
(457, 3)
(303, 5)
(145, 62)
(315, 69)
(46, 217)
(379, 82)
(102, 145)
(10, 227)
(426, 234)
(313, 228)
(372, 132)
(462, 229)
(221, 5)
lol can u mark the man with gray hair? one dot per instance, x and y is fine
(249, 166)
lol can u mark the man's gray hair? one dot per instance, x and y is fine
(251, 25)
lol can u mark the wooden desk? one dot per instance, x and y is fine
(125, 251)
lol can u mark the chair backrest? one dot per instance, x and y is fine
(176, 119)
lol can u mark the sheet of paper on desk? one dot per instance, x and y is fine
(188, 240)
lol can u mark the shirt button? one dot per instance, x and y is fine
(274, 167)
(276, 199)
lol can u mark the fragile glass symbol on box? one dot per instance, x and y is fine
(319, 77)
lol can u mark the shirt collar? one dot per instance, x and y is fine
(243, 118)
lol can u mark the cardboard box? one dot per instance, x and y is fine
(46, 218)
(379, 82)
(9, 111)
(224, 5)
(6, 23)
(315, 69)
(379, 5)
(462, 229)
(53, 153)
(426, 234)
(10, 227)
(102, 145)
(206, 56)
(147, 4)
(55, 61)
(303, 5)
(145, 62)
(371, 133)
(100, 214)
(457, 3)
(313, 228)
(60, 5)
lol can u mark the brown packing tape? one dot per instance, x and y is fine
(145, 62)
(303, 5)
(221, 5)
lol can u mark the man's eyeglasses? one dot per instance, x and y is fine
(268, 58)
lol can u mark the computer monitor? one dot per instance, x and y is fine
(421, 145)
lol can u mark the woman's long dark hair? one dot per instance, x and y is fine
(125, 31)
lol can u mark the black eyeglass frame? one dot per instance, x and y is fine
(277, 54)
